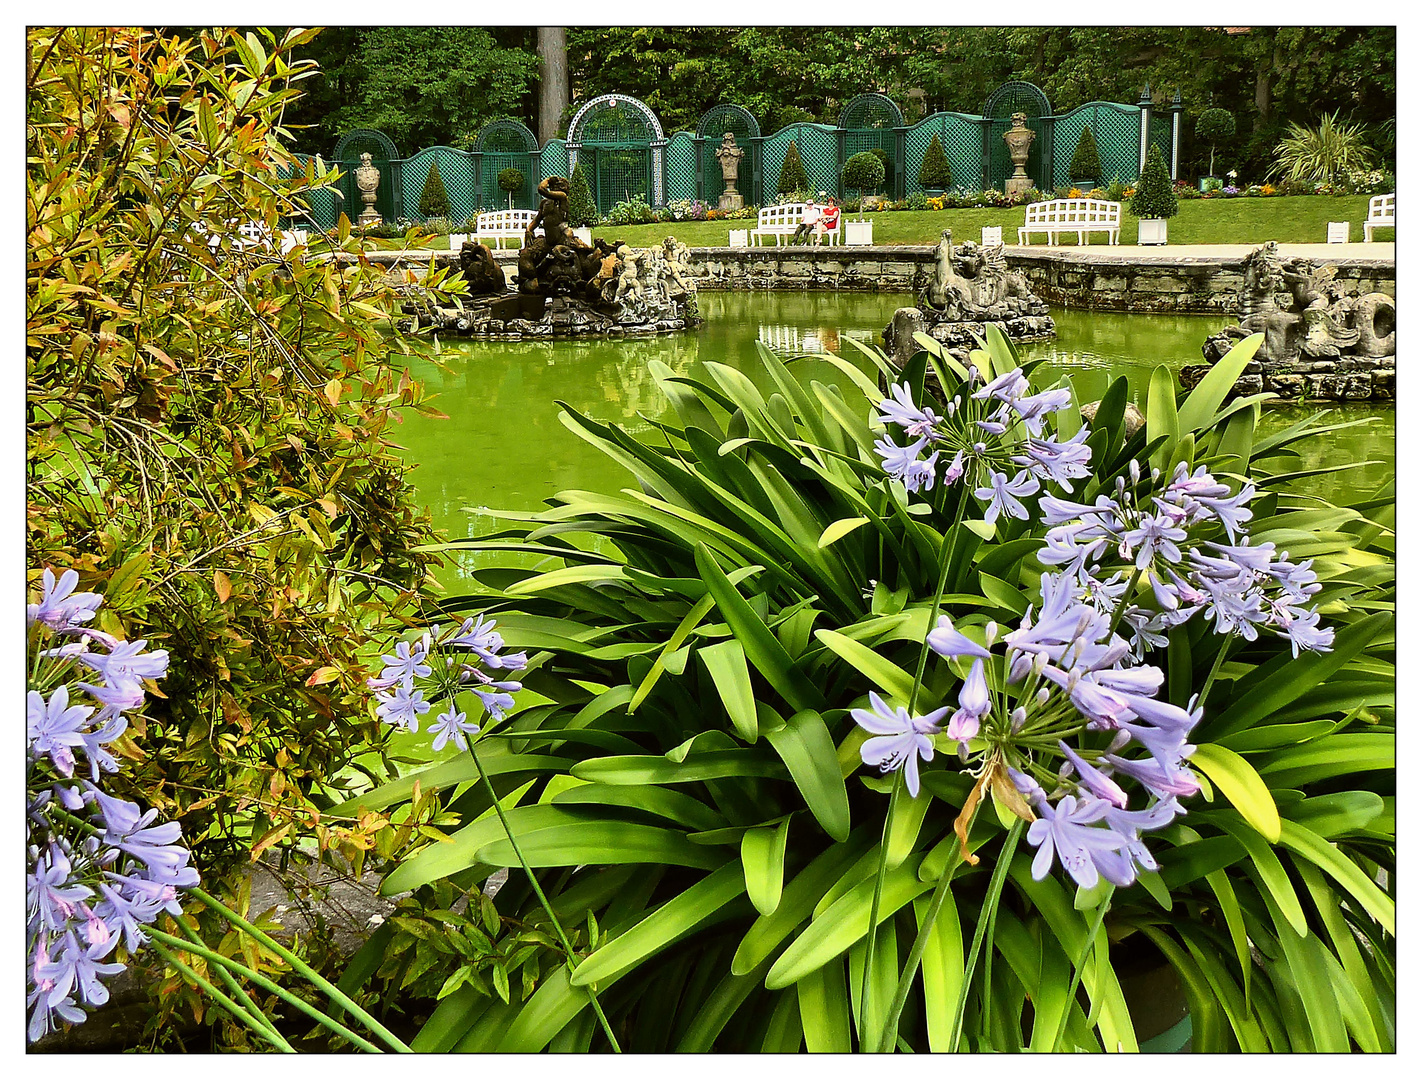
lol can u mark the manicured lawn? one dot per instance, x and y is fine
(1295, 220)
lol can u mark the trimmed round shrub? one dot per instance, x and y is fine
(864, 172)
(1086, 160)
(510, 180)
(434, 202)
(934, 172)
(792, 172)
(1155, 195)
(1214, 126)
(582, 211)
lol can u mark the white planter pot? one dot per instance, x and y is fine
(585, 235)
(858, 233)
(456, 240)
(1152, 231)
(741, 238)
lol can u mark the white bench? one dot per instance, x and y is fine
(1382, 214)
(1080, 216)
(783, 220)
(500, 225)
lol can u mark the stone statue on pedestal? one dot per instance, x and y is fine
(367, 178)
(1019, 138)
(729, 155)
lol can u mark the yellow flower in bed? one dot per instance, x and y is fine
(1074, 193)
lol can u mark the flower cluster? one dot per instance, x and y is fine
(1156, 533)
(1063, 674)
(98, 868)
(985, 435)
(437, 667)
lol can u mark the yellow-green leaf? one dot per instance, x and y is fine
(1241, 785)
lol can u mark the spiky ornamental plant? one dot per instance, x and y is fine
(434, 202)
(933, 172)
(792, 172)
(1086, 160)
(1155, 195)
(1214, 126)
(582, 211)
(1328, 152)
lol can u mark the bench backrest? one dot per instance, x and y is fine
(1074, 212)
(784, 214)
(1382, 206)
(505, 220)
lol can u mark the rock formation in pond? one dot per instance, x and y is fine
(566, 286)
(1319, 342)
(970, 287)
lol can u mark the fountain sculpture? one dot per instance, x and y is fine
(970, 286)
(567, 287)
(1319, 342)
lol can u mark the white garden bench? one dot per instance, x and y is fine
(500, 225)
(1382, 214)
(1080, 216)
(783, 220)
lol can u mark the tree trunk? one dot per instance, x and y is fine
(553, 80)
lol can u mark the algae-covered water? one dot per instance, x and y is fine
(503, 445)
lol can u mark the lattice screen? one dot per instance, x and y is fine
(1009, 98)
(616, 141)
(1160, 136)
(321, 204)
(383, 156)
(680, 158)
(1118, 139)
(458, 170)
(714, 124)
(553, 161)
(818, 145)
(868, 123)
(506, 144)
(962, 139)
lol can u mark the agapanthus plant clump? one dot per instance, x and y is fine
(98, 868)
(1184, 535)
(994, 439)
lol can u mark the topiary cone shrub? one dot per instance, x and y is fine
(511, 180)
(1155, 195)
(1214, 126)
(434, 202)
(582, 211)
(792, 172)
(934, 173)
(1086, 159)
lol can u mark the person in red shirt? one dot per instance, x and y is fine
(829, 219)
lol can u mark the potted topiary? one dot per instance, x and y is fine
(433, 200)
(511, 180)
(934, 175)
(1086, 161)
(1155, 200)
(863, 172)
(792, 172)
(1214, 126)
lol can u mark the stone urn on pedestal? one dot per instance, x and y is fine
(367, 178)
(1019, 139)
(729, 155)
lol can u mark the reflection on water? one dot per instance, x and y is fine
(503, 445)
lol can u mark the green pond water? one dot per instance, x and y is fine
(504, 447)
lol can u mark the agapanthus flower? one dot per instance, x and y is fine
(402, 708)
(974, 703)
(904, 464)
(1086, 853)
(452, 724)
(55, 727)
(899, 741)
(60, 606)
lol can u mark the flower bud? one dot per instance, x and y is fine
(1135, 470)
(1018, 718)
(990, 633)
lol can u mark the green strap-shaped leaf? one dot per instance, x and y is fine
(1161, 418)
(1268, 867)
(1310, 980)
(726, 664)
(673, 920)
(763, 859)
(761, 646)
(784, 1034)
(679, 635)
(942, 970)
(713, 1016)
(664, 802)
(1342, 870)
(460, 853)
(1241, 785)
(888, 676)
(804, 744)
(1197, 410)
(590, 842)
(824, 1008)
(451, 1020)
(840, 529)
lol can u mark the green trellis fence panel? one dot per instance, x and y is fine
(1160, 136)
(962, 138)
(1118, 141)
(502, 145)
(873, 122)
(818, 145)
(553, 159)
(458, 171)
(714, 124)
(322, 204)
(680, 159)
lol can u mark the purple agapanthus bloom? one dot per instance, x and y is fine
(127, 661)
(1034, 410)
(50, 898)
(60, 606)
(898, 408)
(484, 641)
(1093, 779)
(1061, 462)
(1086, 853)
(55, 727)
(1003, 495)
(1005, 388)
(131, 830)
(75, 964)
(899, 739)
(974, 703)
(452, 724)
(404, 667)
(904, 464)
(948, 642)
(1155, 533)
(402, 709)
(1155, 777)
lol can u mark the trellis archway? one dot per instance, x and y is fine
(384, 157)
(506, 144)
(715, 122)
(1002, 103)
(620, 143)
(873, 122)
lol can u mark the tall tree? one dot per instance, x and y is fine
(552, 80)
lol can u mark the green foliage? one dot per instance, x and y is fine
(1155, 194)
(792, 172)
(1086, 159)
(933, 172)
(433, 200)
(1214, 127)
(582, 211)
(206, 428)
(864, 172)
(685, 772)
(1331, 152)
(510, 180)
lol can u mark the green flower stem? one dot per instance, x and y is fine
(231, 983)
(1009, 847)
(915, 956)
(1081, 962)
(1125, 599)
(214, 957)
(542, 899)
(944, 551)
(302, 968)
(999, 876)
(866, 1038)
(1214, 670)
(255, 1021)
